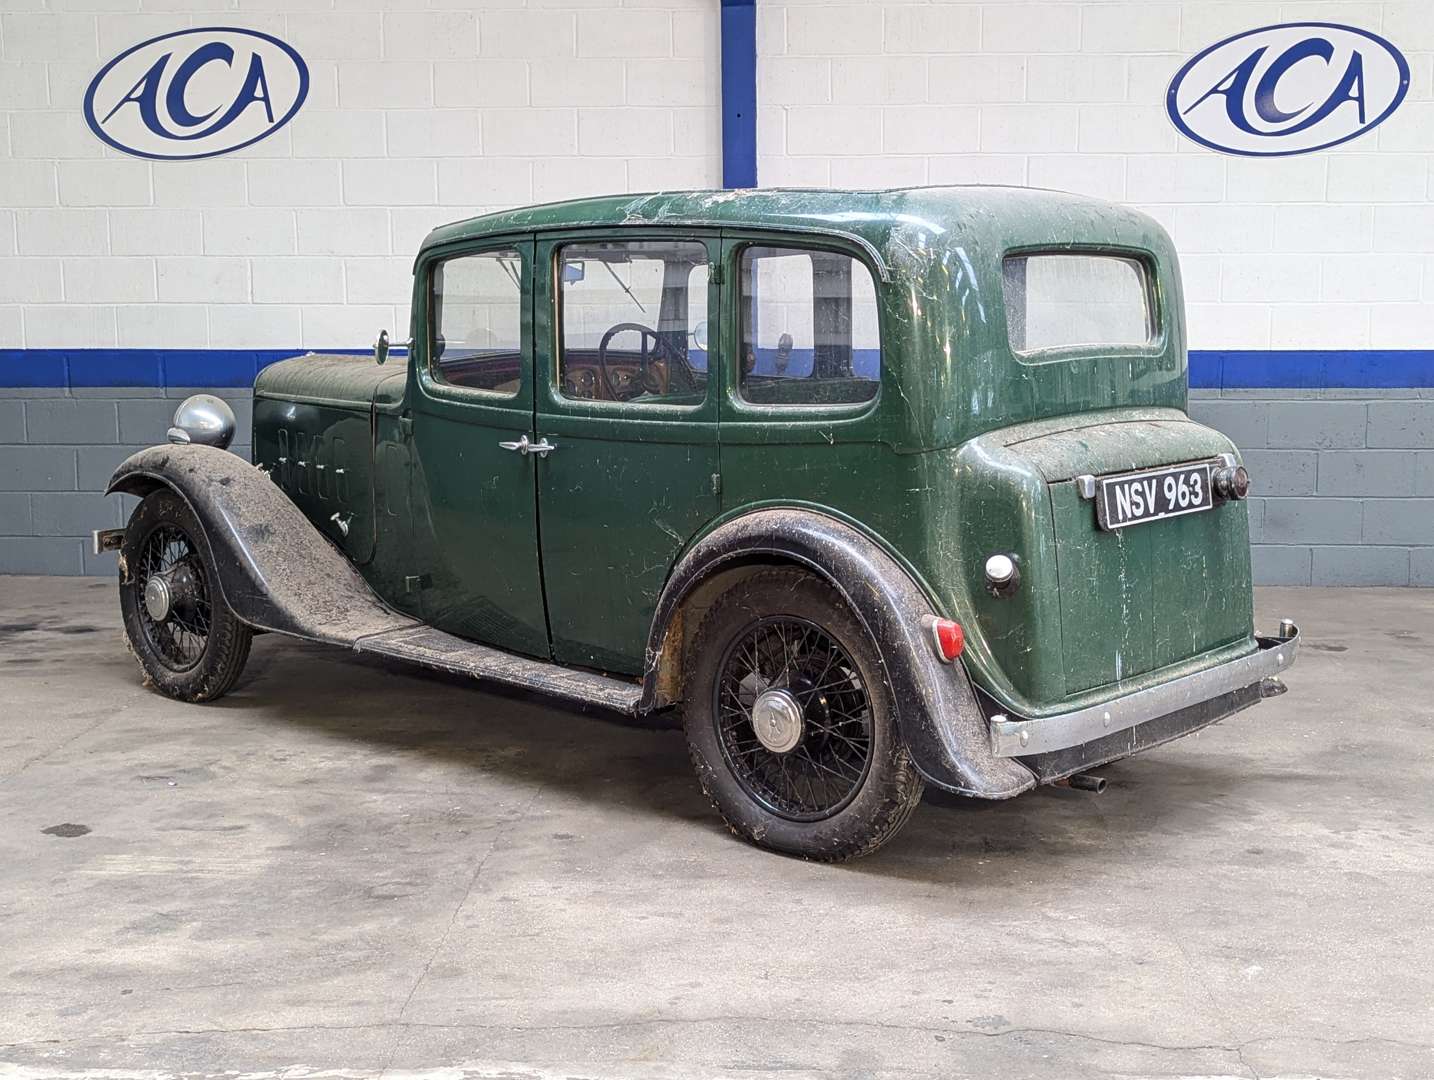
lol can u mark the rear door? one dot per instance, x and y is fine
(475, 529)
(621, 322)
(800, 408)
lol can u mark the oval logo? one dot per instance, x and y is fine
(1287, 89)
(196, 93)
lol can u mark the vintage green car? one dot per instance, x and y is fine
(882, 488)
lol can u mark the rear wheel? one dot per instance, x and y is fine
(790, 724)
(190, 645)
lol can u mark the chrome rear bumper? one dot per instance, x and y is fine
(1013, 737)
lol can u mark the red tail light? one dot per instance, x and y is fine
(947, 638)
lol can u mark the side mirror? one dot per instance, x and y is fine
(699, 335)
(380, 347)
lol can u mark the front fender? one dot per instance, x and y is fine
(937, 712)
(275, 570)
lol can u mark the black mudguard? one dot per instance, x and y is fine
(276, 571)
(937, 712)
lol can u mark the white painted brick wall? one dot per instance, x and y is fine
(414, 117)
(418, 115)
(1320, 251)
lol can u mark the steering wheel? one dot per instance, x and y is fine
(660, 345)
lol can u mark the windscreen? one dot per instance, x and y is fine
(1069, 300)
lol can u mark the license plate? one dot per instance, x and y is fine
(1136, 498)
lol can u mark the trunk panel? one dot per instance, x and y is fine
(1109, 608)
(1150, 595)
(1107, 595)
(1121, 440)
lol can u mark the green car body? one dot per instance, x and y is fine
(596, 546)
(967, 449)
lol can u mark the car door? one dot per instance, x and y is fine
(475, 528)
(621, 323)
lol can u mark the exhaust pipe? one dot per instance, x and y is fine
(1086, 782)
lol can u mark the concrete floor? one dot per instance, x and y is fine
(347, 869)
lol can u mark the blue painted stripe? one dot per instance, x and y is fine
(1234, 369)
(739, 93)
(143, 367)
(1310, 369)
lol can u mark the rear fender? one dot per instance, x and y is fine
(275, 570)
(937, 713)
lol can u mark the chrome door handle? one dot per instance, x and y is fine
(542, 447)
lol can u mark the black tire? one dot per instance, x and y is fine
(848, 728)
(198, 649)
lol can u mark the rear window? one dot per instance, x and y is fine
(1071, 300)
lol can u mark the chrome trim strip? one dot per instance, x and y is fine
(1013, 737)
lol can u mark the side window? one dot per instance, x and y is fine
(633, 317)
(476, 324)
(809, 328)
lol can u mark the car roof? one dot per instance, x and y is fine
(878, 220)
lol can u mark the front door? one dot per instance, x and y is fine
(621, 324)
(475, 529)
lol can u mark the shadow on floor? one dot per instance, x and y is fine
(611, 759)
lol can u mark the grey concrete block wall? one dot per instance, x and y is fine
(1343, 479)
(57, 452)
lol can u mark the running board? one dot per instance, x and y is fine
(433, 648)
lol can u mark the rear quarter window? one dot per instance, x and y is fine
(1067, 300)
(810, 331)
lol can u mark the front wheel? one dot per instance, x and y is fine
(190, 645)
(790, 723)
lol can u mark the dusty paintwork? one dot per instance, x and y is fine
(275, 572)
(903, 468)
(331, 380)
(591, 556)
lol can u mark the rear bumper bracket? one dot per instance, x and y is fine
(102, 540)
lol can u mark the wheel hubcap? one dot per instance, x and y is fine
(157, 598)
(173, 594)
(777, 720)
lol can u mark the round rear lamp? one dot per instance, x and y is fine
(1232, 482)
(1002, 575)
(947, 638)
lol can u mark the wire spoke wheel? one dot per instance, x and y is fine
(176, 611)
(794, 718)
(188, 641)
(790, 720)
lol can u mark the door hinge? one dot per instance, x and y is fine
(405, 426)
(714, 272)
(716, 483)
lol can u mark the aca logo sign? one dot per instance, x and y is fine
(1287, 89)
(196, 93)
